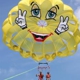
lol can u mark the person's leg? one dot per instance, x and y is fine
(48, 79)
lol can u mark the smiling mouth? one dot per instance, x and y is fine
(40, 37)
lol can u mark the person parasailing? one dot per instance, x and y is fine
(40, 76)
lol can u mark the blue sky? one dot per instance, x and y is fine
(11, 63)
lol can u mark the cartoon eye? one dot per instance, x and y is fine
(36, 12)
(51, 15)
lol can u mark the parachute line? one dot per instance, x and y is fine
(20, 74)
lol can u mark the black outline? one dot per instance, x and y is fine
(57, 6)
(53, 12)
(60, 22)
(32, 3)
(35, 9)
(33, 15)
(25, 19)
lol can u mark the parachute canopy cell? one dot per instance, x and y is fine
(42, 36)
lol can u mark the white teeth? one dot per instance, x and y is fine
(39, 34)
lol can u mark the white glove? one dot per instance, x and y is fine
(21, 19)
(63, 25)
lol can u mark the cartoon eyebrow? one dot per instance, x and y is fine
(34, 6)
(57, 6)
(32, 3)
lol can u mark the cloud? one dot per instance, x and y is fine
(77, 12)
(12, 71)
(78, 1)
(3, 71)
(75, 2)
(7, 72)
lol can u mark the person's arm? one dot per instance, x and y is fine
(37, 75)
(50, 75)
(46, 76)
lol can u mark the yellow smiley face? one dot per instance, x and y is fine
(39, 39)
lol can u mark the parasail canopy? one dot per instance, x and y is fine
(42, 29)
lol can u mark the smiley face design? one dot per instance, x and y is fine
(42, 29)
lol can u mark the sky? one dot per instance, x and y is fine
(11, 63)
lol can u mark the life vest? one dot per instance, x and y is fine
(41, 76)
(48, 76)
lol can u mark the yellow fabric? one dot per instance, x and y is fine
(22, 41)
